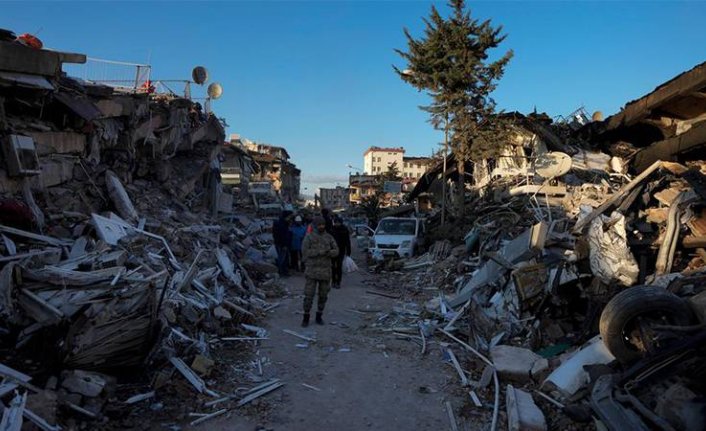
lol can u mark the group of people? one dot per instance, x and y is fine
(318, 248)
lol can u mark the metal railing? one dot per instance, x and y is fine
(118, 74)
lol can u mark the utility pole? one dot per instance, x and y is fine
(443, 172)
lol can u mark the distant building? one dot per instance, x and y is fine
(271, 164)
(362, 186)
(237, 167)
(412, 168)
(377, 160)
(335, 199)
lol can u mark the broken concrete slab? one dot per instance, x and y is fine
(520, 248)
(570, 376)
(120, 198)
(202, 365)
(83, 382)
(522, 413)
(16, 57)
(516, 363)
(59, 142)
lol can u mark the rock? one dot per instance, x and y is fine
(202, 365)
(222, 313)
(540, 370)
(44, 404)
(170, 315)
(84, 383)
(52, 383)
(522, 413)
(67, 397)
(516, 363)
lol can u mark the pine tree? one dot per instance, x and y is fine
(451, 63)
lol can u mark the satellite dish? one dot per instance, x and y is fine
(215, 90)
(199, 75)
(552, 165)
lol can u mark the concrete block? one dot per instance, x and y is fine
(522, 413)
(202, 365)
(84, 383)
(516, 363)
(222, 313)
(56, 171)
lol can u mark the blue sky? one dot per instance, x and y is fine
(316, 77)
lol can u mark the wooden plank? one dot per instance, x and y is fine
(259, 393)
(30, 254)
(303, 337)
(203, 419)
(459, 370)
(452, 418)
(8, 372)
(385, 294)
(188, 374)
(41, 238)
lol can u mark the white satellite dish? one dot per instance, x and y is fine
(215, 90)
(552, 165)
(199, 75)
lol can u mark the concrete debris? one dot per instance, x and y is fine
(122, 258)
(516, 363)
(548, 240)
(522, 413)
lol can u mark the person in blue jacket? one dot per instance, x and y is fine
(298, 231)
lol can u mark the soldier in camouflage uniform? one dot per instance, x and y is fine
(318, 249)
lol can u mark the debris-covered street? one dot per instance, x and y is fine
(162, 269)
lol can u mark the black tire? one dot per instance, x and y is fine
(622, 310)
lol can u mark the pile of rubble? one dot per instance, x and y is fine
(117, 278)
(525, 295)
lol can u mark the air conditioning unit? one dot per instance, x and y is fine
(20, 156)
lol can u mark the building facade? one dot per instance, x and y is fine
(377, 160)
(362, 186)
(335, 198)
(412, 168)
(272, 164)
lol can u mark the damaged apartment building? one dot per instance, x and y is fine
(112, 261)
(266, 164)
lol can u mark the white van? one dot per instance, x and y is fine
(400, 237)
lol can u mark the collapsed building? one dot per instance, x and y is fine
(113, 263)
(579, 284)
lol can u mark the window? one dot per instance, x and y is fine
(379, 159)
(406, 165)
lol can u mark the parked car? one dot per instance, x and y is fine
(398, 237)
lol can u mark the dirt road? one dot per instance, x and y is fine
(362, 378)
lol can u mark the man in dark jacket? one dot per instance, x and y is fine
(318, 249)
(343, 241)
(326, 214)
(283, 238)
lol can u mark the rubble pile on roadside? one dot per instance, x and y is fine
(114, 265)
(521, 300)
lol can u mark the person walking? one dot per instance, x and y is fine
(298, 231)
(342, 237)
(326, 214)
(283, 239)
(318, 248)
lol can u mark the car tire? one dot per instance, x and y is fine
(622, 310)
